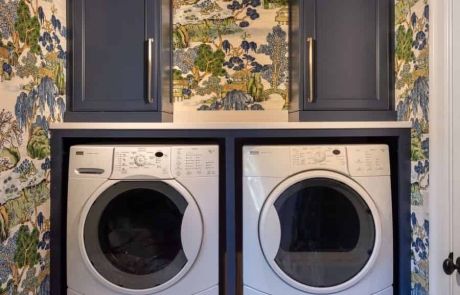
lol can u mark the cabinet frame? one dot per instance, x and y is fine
(123, 110)
(378, 108)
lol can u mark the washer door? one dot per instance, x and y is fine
(320, 231)
(140, 235)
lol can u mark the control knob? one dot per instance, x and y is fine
(140, 160)
(319, 156)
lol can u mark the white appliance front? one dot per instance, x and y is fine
(317, 220)
(140, 222)
(249, 291)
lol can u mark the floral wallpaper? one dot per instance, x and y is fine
(230, 55)
(32, 94)
(412, 98)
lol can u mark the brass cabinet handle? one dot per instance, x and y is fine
(149, 78)
(311, 59)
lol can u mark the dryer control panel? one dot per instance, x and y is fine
(281, 161)
(355, 160)
(368, 160)
(151, 161)
(318, 157)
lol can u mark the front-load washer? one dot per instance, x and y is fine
(143, 220)
(317, 220)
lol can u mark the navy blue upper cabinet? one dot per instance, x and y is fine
(344, 48)
(120, 60)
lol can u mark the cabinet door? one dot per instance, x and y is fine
(111, 55)
(351, 54)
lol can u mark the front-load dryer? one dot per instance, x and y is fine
(317, 220)
(143, 220)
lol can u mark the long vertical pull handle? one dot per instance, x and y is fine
(149, 70)
(311, 68)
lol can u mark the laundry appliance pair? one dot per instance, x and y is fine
(145, 220)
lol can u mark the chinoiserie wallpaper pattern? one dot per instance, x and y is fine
(412, 96)
(228, 55)
(32, 86)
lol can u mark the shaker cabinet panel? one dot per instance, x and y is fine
(345, 50)
(345, 53)
(114, 44)
(116, 60)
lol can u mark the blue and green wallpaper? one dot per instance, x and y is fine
(32, 95)
(230, 55)
(412, 99)
(237, 35)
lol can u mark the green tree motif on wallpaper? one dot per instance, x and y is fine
(10, 140)
(28, 29)
(404, 53)
(8, 17)
(31, 283)
(255, 87)
(209, 61)
(212, 85)
(18, 256)
(38, 146)
(26, 256)
(177, 74)
(201, 60)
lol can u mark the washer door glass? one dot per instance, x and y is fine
(132, 234)
(327, 232)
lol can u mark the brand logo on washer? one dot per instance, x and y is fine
(254, 153)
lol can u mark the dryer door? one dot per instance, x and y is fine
(140, 235)
(320, 231)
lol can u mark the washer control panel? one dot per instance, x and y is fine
(195, 161)
(148, 161)
(318, 157)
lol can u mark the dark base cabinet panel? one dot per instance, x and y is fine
(342, 116)
(231, 142)
(122, 117)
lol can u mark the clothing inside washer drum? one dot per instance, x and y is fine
(133, 234)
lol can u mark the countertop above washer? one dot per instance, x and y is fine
(232, 125)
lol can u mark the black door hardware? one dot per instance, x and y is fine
(449, 266)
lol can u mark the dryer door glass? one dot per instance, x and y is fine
(132, 234)
(327, 232)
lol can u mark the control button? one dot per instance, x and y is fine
(158, 154)
(319, 156)
(336, 152)
(140, 160)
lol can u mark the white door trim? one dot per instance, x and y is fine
(440, 189)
